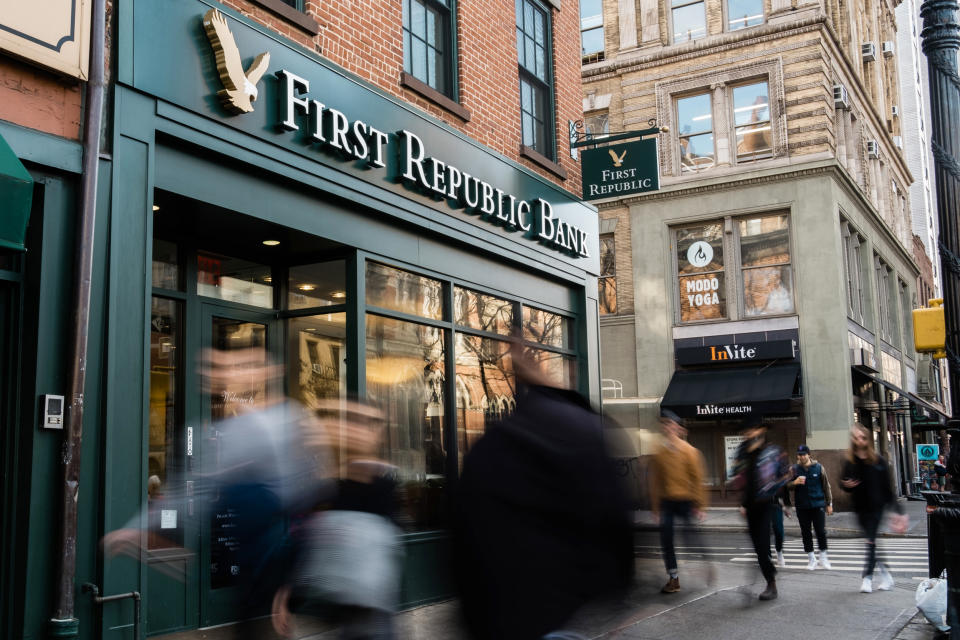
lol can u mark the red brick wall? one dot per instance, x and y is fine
(365, 37)
(37, 99)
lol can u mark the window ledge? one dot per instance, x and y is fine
(535, 156)
(290, 14)
(431, 94)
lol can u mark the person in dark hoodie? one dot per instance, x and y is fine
(540, 523)
(867, 476)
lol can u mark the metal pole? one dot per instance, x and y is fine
(940, 39)
(64, 623)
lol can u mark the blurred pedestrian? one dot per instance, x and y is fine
(540, 522)
(814, 501)
(940, 471)
(762, 471)
(867, 476)
(780, 508)
(676, 491)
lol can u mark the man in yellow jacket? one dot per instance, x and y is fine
(676, 490)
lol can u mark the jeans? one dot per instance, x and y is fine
(776, 521)
(758, 522)
(812, 516)
(671, 510)
(870, 523)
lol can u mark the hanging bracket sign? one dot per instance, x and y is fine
(620, 169)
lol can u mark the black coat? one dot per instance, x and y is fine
(540, 521)
(875, 491)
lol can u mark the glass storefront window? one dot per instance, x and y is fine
(166, 265)
(316, 358)
(483, 312)
(765, 260)
(403, 291)
(701, 292)
(547, 328)
(234, 280)
(164, 522)
(405, 379)
(317, 285)
(486, 387)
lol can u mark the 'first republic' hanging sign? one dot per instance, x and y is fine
(620, 169)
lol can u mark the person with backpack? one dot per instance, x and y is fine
(813, 501)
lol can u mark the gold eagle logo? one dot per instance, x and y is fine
(239, 86)
(617, 160)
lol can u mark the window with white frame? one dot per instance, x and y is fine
(744, 13)
(591, 29)
(695, 133)
(853, 271)
(761, 272)
(689, 20)
(751, 118)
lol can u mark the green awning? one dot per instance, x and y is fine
(16, 196)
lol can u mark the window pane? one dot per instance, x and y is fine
(520, 56)
(764, 240)
(700, 249)
(560, 369)
(541, 70)
(403, 291)
(696, 153)
(689, 23)
(744, 13)
(164, 471)
(767, 290)
(418, 23)
(539, 31)
(750, 104)
(527, 122)
(405, 364)
(607, 293)
(166, 267)
(753, 141)
(591, 41)
(702, 297)
(317, 285)
(694, 114)
(597, 125)
(486, 387)
(546, 328)
(431, 27)
(480, 311)
(234, 280)
(316, 358)
(419, 59)
(608, 265)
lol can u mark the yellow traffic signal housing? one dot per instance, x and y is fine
(930, 329)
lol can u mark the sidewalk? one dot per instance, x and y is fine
(839, 525)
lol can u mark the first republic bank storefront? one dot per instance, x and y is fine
(372, 250)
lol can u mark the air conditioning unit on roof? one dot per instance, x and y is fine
(840, 98)
(873, 149)
(887, 48)
(869, 51)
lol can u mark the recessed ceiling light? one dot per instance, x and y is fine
(156, 207)
(271, 243)
(338, 294)
(307, 287)
(267, 279)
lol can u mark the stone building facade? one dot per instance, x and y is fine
(782, 224)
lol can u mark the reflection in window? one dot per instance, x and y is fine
(317, 285)
(427, 40)
(597, 125)
(536, 81)
(559, 369)
(483, 312)
(700, 266)
(689, 20)
(166, 266)
(486, 387)
(316, 358)
(607, 283)
(165, 522)
(695, 124)
(765, 260)
(403, 291)
(744, 13)
(547, 328)
(751, 116)
(405, 378)
(234, 280)
(591, 28)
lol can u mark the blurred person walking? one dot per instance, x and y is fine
(540, 522)
(866, 475)
(676, 492)
(814, 501)
(762, 471)
(780, 508)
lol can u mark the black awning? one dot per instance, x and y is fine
(733, 392)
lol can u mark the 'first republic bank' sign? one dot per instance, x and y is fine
(440, 180)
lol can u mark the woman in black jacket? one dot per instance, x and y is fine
(866, 475)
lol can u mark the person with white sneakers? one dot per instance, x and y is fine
(866, 475)
(813, 500)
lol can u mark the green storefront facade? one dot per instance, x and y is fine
(368, 198)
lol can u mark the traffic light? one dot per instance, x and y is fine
(930, 329)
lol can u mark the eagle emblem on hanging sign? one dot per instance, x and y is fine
(617, 159)
(239, 85)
